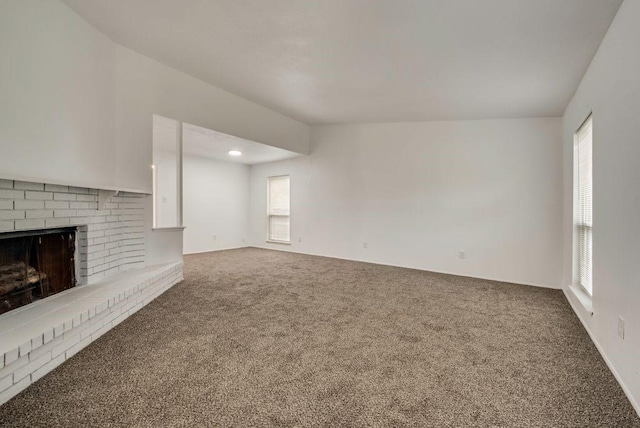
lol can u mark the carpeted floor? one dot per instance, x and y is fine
(264, 338)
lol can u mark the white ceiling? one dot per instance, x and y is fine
(339, 61)
(211, 144)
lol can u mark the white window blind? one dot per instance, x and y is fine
(584, 144)
(278, 210)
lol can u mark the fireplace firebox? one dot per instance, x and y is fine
(35, 264)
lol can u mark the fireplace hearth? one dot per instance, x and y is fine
(35, 264)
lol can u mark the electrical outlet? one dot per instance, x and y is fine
(299, 238)
(461, 255)
(365, 245)
(621, 327)
(215, 237)
(243, 240)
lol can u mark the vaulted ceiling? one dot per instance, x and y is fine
(341, 61)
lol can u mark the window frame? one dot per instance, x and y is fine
(270, 216)
(582, 229)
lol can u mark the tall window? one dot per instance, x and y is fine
(584, 169)
(278, 209)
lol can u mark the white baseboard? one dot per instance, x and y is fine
(634, 402)
(412, 267)
(216, 250)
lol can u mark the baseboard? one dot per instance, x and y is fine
(414, 268)
(632, 400)
(216, 250)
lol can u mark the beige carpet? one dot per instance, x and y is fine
(263, 338)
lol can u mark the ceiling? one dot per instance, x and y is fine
(344, 61)
(203, 142)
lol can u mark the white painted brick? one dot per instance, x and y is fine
(64, 213)
(11, 194)
(87, 220)
(97, 226)
(25, 185)
(6, 184)
(42, 371)
(77, 347)
(95, 234)
(86, 198)
(112, 232)
(39, 214)
(25, 371)
(97, 255)
(48, 335)
(76, 320)
(91, 213)
(68, 340)
(56, 188)
(58, 330)
(15, 365)
(6, 226)
(56, 222)
(14, 390)
(29, 205)
(132, 217)
(83, 190)
(110, 245)
(56, 205)
(93, 191)
(11, 215)
(29, 224)
(25, 348)
(64, 197)
(6, 204)
(36, 342)
(10, 356)
(83, 205)
(39, 196)
(5, 383)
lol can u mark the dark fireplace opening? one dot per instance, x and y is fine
(35, 265)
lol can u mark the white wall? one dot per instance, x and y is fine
(418, 193)
(216, 203)
(75, 108)
(57, 96)
(146, 87)
(611, 90)
(166, 164)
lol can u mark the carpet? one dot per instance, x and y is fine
(265, 338)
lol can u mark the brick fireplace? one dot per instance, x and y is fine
(72, 266)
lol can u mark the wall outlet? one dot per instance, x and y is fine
(365, 245)
(215, 237)
(299, 238)
(461, 255)
(621, 327)
(243, 240)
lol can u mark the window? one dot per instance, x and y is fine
(278, 209)
(584, 179)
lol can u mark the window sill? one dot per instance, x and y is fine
(278, 242)
(582, 297)
(168, 229)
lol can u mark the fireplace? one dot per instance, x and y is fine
(35, 264)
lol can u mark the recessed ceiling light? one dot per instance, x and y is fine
(235, 153)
